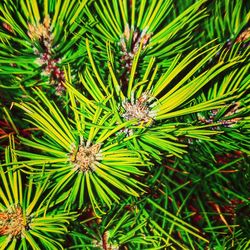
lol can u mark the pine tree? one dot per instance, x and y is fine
(124, 124)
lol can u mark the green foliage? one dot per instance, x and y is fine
(24, 224)
(124, 124)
